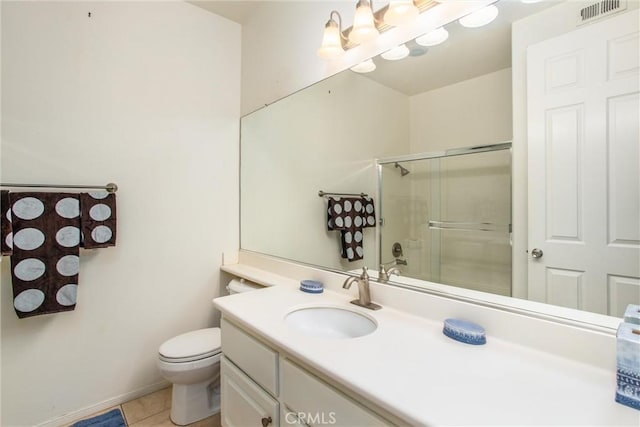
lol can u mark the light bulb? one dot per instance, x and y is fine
(396, 53)
(432, 38)
(364, 27)
(400, 12)
(364, 67)
(479, 17)
(331, 41)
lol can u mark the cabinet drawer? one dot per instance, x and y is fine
(244, 403)
(254, 358)
(317, 403)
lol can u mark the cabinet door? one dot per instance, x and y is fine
(290, 418)
(256, 359)
(316, 403)
(244, 403)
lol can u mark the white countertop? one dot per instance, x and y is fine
(408, 367)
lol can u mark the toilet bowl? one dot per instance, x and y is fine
(191, 362)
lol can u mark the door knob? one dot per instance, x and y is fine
(537, 253)
(266, 421)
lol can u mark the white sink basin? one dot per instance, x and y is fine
(330, 322)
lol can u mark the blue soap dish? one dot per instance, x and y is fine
(311, 286)
(464, 331)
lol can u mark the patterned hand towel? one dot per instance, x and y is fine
(98, 219)
(6, 228)
(368, 212)
(349, 216)
(45, 263)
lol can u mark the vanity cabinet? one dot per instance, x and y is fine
(256, 359)
(244, 403)
(316, 402)
(261, 386)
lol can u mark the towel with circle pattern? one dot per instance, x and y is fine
(45, 264)
(6, 229)
(350, 215)
(43, 233)
(98, 219)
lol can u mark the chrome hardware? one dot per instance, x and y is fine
(469, 226)
(364, 299)
(537, 253)
(396, 250)
(266, 421)
(384, 274)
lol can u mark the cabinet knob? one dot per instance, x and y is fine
(266, 421)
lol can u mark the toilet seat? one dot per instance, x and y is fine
(191, 346)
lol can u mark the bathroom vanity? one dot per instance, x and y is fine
(405, 371)
(262, 383)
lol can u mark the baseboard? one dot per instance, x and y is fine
(105, 404)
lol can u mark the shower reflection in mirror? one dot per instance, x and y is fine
(447, 217)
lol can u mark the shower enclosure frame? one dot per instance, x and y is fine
(506, 145)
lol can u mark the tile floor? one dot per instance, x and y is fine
(153, 410)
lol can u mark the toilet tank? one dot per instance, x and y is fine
(237, 286)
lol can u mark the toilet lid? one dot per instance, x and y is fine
(192, 345)
(240, 287)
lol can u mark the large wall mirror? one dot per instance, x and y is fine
(405, 133)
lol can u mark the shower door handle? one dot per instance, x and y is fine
(537, 253)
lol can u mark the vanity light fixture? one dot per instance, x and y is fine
(368, 24)
(331, 47)
(433, 38)
(364, 25)
(364, 67)
(400, 12)
(398, 52)
(479, 17)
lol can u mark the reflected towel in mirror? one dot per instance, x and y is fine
(5, 223)
(350, 215)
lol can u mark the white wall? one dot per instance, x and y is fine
(323, 138)
(145, 95)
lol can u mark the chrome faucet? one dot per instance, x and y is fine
(364, 299)
(384, 274)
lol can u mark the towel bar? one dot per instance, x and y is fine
(323, 194)
(110, 187)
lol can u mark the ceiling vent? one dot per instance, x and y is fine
(599, 10)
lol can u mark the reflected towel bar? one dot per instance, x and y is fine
(110, 187)
(323, 194)
(469, 226)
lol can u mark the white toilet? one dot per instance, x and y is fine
(191, 362)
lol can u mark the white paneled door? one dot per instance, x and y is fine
(584, 167)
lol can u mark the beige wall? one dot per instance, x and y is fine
(472, 112)
(322, 138)
(145, 95)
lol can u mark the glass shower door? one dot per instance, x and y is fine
(451, 216)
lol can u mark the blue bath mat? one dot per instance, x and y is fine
(112, 418)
